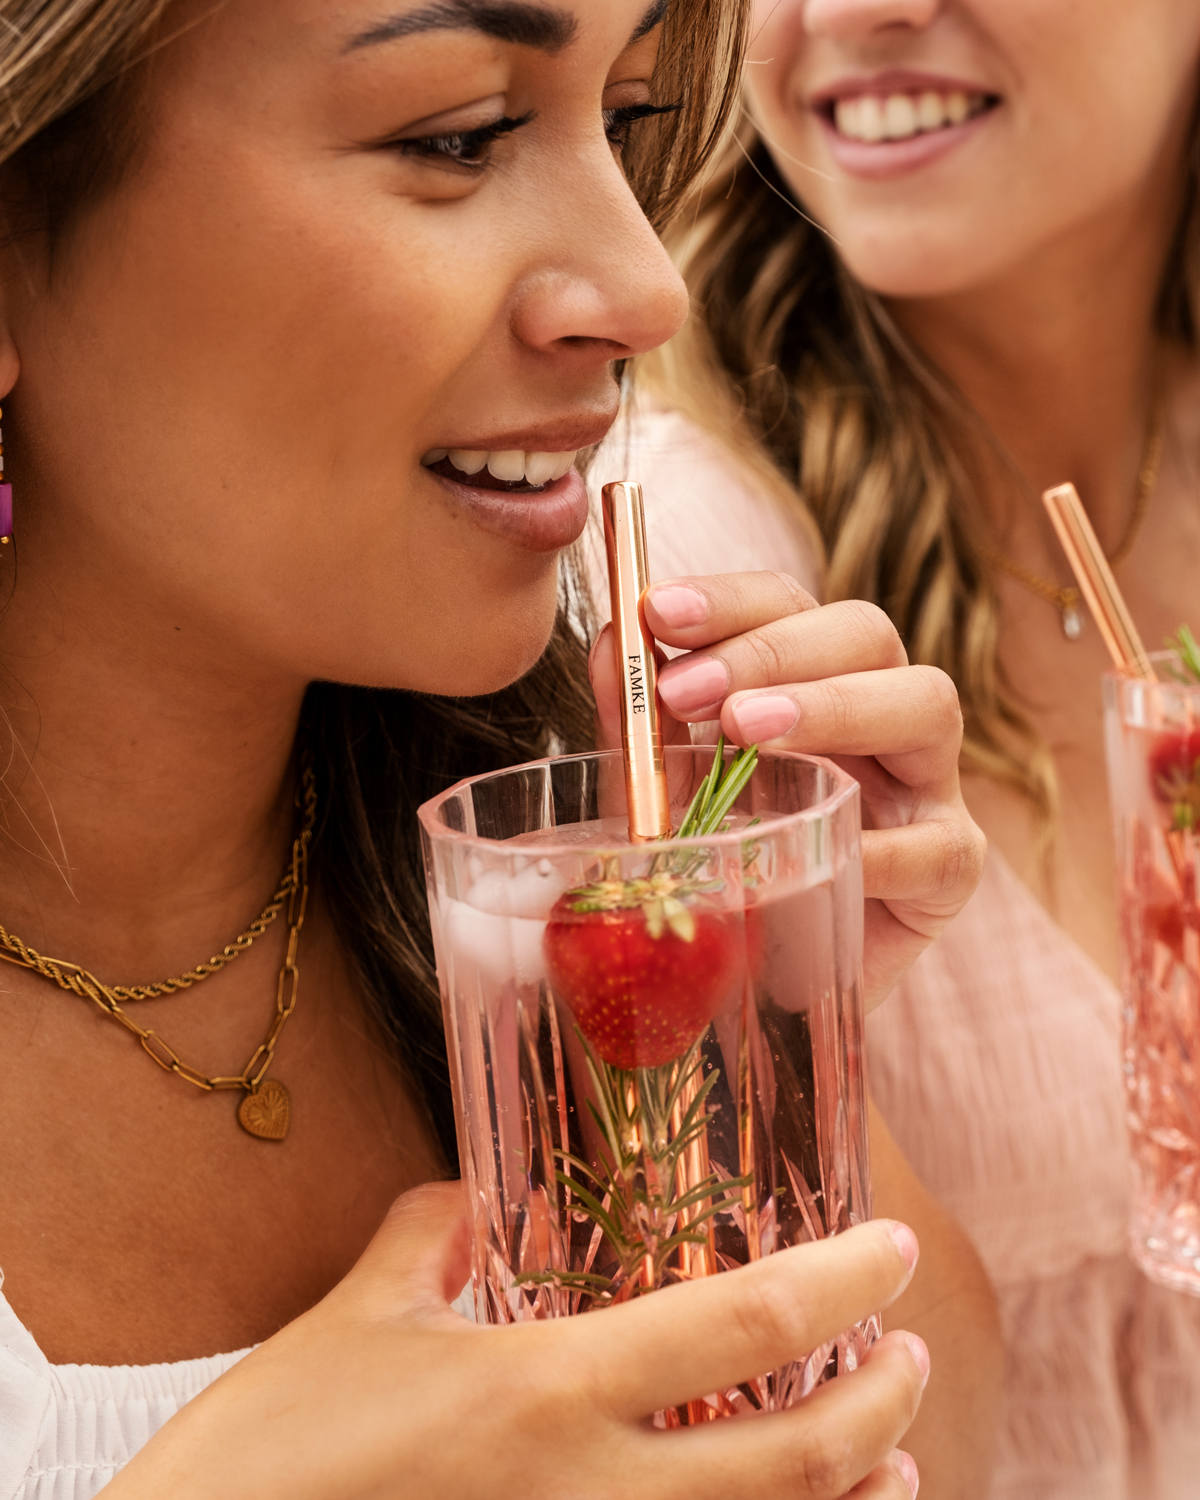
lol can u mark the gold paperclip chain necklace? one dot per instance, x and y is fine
(265, 1109)
(1067, 600)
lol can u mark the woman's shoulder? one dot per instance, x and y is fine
(707, 510)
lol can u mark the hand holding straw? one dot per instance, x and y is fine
(1096, 581)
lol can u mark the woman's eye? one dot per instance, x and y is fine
(617, 122)
(465, 148)
(473, 148)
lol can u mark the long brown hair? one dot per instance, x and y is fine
(796, 365)
(68, 128)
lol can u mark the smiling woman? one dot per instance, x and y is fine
(951, 261)
(305, 311)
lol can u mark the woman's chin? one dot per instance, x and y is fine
(478, 684)
(926, 255)
(481, 664)
(922, 264)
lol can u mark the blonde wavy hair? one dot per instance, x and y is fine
(800, 370)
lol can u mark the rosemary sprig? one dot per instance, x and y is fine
(709, 808)
(1186, 667)
(655, 890)
(648, 1192)
(717, 793)
(635, 1193)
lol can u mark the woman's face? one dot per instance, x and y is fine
(356, 238)
(944, 142)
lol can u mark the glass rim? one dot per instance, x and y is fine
(1121, 679)
(846, 789)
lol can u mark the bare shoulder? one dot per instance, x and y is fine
(707, 511)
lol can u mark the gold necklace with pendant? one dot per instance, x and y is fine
(1067, 600)
(265, 1108)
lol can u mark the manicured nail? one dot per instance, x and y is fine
(693, 683)
(920, 1353)
(906, 1242)
(678, 605)
(764, 716)
(908, 1468)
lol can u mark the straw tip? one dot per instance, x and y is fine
(1058, 494)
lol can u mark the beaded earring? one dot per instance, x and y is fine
(5, 498)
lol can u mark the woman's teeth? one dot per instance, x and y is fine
(511, 465)
(870, 118)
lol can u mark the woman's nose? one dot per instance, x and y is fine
(610, 292)
(848, 20)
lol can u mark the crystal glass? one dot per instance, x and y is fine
(655, 1048)
(1152, 732)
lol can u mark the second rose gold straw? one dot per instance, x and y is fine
(1096, 581)
(641, 737)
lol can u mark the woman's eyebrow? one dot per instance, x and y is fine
(650, 20)
(514, 21)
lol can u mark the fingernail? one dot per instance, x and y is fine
(908, 1468)
(920, 1353)
(696, 682)
(906, 1242)
(764, 716)
(678, 605)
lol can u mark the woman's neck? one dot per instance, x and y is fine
(1058, 358)
(147, 790)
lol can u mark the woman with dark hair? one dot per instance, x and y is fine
(306, 312)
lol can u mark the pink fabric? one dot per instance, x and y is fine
(699, 516)
(996, 1064)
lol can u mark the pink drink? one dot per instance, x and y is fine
(738, 1129)
(1153, 741)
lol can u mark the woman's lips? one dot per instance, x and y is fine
(545, 518)
(882, 159)
(902, 131)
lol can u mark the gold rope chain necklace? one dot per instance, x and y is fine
(1067, 600)
(265, 1110)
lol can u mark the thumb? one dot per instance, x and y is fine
(606, 689)
(420, 1255)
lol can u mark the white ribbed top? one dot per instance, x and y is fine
(65, 1430)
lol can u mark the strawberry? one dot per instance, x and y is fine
(642, 966)
(1175, 773)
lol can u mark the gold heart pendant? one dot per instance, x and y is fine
(267, 1112)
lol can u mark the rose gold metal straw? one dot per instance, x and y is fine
(1096, 581)
(641, 737)
(646, 794)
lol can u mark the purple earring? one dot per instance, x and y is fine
(5, 498)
